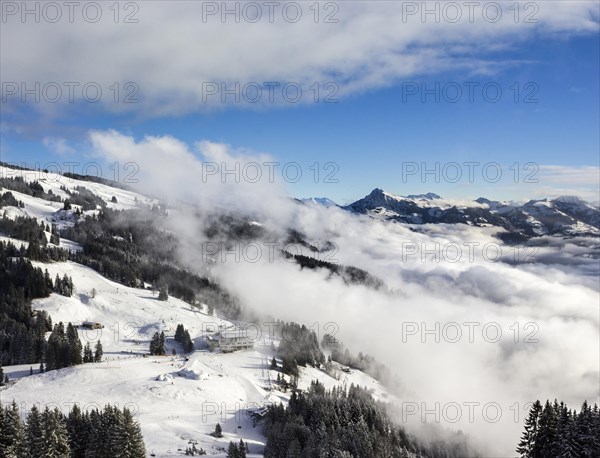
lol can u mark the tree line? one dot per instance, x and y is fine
(83, 197)
(237, 450)
(32, 188)
(129, 247)
(8, 200)
(64, 349)
(555, 430)
(34, 233)
(298, 346)
(157, 344)
(51, 434)
(182, 336)
(22, 331)
(365, 363)
(341, 423)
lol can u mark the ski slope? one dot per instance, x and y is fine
(172, 405)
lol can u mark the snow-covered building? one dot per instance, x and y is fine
(234, 339)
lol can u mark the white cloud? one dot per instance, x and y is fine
(557, 180)
(218, 178)
(372, 45)
(557, 291)
(573, 175)
(58, 145)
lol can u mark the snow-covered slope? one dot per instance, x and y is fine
(52, 213)
(45, 210)
(172, 407)
(566, 215)
(324, 201)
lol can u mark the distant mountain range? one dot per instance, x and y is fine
(565, 215)
(320, 201)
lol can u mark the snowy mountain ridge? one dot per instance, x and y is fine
(565, 215)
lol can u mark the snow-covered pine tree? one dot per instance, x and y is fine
(232, 450)
(133, 442)
(596, 428)
(57, 285)
(163, 293)
(188, 345)
(242, 449)
(88, 356)
(12, 432)
(55, 434)
(565, 431)
(154, 344)
(546, 438)
(58, 352)
(179, 333)
(161, 343)
(78, 432)
(98, 352)
(586, 440)
(529, 437)
(35, 434)
(96, 446)
(114, 429)
(74, 345)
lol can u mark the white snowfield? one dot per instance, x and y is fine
(49, 212)
(53, 181)
(175, 399)
(52, 212)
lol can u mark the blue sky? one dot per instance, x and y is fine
(371, 132)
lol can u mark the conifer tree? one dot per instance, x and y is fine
(546, 434)
(88, 356)
(97, 440)
(566, 443)
(242, 449)
(161, 343)
(188, 345)
(98, 352)
(74, 345)
(35, 434)
(179, 333)
(586, 440)
(157, 344)
(114, 430)
(12, 433)
(232, 450)
(163, 294)
(78, 432)
(56, 437)
(132, 445)
(294, 450)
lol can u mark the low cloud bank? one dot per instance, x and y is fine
(472, 340)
